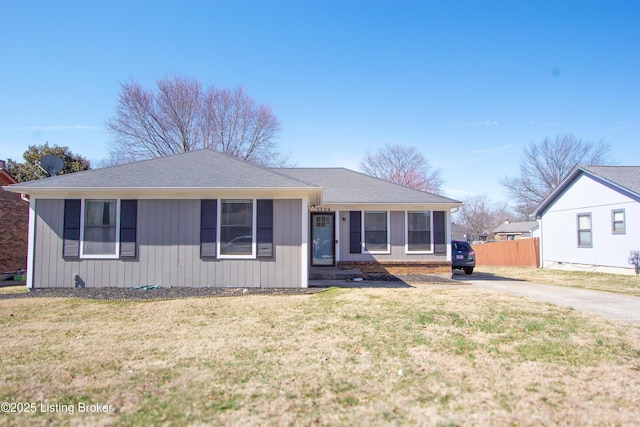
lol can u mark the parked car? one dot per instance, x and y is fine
(462, 256)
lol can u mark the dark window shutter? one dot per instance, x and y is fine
(265, 228)
(128, 228)
(439, 238)
(208, 228)
(355, 232)
(71, 236)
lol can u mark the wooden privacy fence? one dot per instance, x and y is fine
(509, 253)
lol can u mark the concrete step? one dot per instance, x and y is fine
(330, 273)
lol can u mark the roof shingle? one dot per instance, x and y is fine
(208, 169)
(625, 176)
(194, 169)
(345, 186)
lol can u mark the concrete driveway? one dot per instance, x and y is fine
(606, 304)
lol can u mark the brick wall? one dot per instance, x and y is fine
(14, 226)
(430, 268)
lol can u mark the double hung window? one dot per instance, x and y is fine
(617, 220)
(100, 228)
(584, 231)
(376, 232)
(419, 232)
(237, 237)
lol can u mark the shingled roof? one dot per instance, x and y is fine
(201, 169)
(344, 186)
(516, 227)
(208, 169)
(627, 177)
(624, 179)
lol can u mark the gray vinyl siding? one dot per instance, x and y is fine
(396, 236)
(168, 251)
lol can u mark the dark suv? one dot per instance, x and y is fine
(462, 256)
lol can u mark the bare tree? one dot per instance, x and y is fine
(181, 115)
(479, 216)
(403, 165)
(546, 163)
(235, 125)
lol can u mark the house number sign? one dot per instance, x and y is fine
(320, 209)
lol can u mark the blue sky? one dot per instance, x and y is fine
(469, 83)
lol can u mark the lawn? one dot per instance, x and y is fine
(426, 355)
(618, 283)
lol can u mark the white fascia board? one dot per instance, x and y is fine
(389, 206)
(174, 193)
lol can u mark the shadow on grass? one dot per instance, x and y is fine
(481, 275)
(385, 280)
(375, 284)
(9, 283)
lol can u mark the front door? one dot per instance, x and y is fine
(322, 239)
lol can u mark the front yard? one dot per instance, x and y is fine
(427, 355)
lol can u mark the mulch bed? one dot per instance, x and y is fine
(158, 294)
(124, 294)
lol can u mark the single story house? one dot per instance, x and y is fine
(516, 230)
(14, 223)
(590, 221)
(459, 232)
(203, 218)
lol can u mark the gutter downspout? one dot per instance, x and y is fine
(541, 263)
(31, 243)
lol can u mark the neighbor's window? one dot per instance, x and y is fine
(617, 218)
(584, 230)
(100, 228)
(236, 227)
(419, 231)
(376, 237)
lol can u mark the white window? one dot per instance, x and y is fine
(617, 219)
(237, 229)
(419, 232)
(376, 232)
(99, 230)
(584, 231)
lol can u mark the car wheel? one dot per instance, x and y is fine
(468, 270)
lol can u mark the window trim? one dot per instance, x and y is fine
(585, 214)
(116, 254)
(364, 235)
(254, 225)
(406, 234)
(613, 221)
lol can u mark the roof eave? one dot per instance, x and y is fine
(160, 191)
(389, 205)
(571, 177)
(546, 203)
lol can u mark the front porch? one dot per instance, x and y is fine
(349, 270)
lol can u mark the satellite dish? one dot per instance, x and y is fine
(52, 164)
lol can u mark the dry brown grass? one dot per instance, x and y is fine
(622, 284)
(416, 356)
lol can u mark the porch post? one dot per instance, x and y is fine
(304, 246)
(336, 252)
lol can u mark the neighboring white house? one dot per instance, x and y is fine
(591, 222)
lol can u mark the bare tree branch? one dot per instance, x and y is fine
(180, 115)
(403, 165)
(479, 216)
(546, 163)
